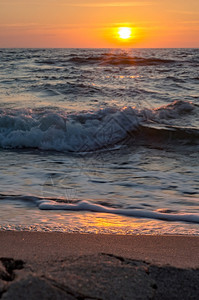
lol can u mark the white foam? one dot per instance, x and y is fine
(84, 132)
(174, 110)
(139, 213)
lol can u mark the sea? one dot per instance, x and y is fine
(99, 140)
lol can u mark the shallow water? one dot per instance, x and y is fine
(98, 140)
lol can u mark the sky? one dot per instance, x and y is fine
(92, 23)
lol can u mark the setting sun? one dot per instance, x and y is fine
(124, 33)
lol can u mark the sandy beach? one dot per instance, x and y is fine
(99, 150)
(37, 265)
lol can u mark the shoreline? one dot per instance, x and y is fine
(53, 265)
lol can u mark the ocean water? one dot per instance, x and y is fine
(99, 140)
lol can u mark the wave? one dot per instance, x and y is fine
(139, 213)
(121, 59)
(108, 59)
(95, 130)
(61, 204)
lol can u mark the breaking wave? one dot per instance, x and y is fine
(94, 130)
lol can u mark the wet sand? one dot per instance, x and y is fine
(37, 265)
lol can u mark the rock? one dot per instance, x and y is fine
(34, 288)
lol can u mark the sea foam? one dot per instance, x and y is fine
(138, 213)
(89, 131)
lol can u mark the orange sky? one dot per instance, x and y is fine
(92, 23)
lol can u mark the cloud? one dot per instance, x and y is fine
(183, 12)
(110, 4)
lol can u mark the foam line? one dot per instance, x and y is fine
(139, 213)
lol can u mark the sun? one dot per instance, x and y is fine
(124, 33)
